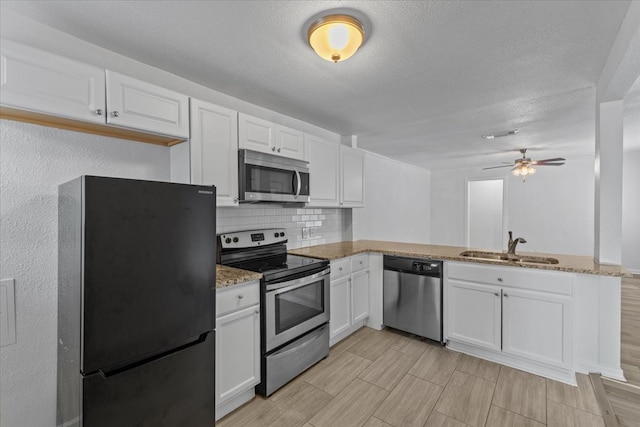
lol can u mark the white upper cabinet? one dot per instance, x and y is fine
(256, 134)
(140, 105)
(267, 137)
(290, 142)
(39, 81)
(351, 177)
(214, 150)
(40, 87)
(324, 163)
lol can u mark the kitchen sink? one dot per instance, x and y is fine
(501, 256)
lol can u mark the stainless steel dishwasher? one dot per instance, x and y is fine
(412, 296)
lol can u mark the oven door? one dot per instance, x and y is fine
(295, 307)
(263, 177)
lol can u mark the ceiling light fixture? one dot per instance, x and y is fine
(501, 134)
(336, 37)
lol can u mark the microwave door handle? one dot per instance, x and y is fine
(299, 183)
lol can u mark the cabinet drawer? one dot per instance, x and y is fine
(340, 268)
(359, 262)
(237, 297)
(517, 277)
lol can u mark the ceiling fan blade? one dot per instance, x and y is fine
(557, 159)
(496, 167)
(550, 164)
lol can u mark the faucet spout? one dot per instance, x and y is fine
(511, 252)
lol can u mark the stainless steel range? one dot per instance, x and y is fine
(294, 302)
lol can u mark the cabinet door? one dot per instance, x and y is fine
(340, 306)
(214, 150)
(474, 314)
(324, 164)
(256, 134)
(135, 104)
(360, 295)
(536, 326)
(237, 352)
(289, 142)
(45, 83)
(351, 177)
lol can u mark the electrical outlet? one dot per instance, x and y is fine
(305, 233)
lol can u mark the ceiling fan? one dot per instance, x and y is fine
(524, 166)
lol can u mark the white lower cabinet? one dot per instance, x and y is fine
(340, 307)
(237, 346)
(349, 296)
(536, 326)
(515, 316)
(475, 314)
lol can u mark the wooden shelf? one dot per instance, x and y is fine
(85, 127)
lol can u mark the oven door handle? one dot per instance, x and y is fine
(298, 283)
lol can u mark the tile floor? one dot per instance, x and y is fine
(385, 378)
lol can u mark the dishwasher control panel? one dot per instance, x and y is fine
(425, 266)
(421, 266)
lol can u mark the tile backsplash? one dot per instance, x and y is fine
(326, 225)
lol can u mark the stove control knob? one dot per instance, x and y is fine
(235, 240)
(275, 234)
(227, 240)
(282, 234)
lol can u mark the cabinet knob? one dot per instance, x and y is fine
(115, 114)
(257, 311)
(99, 112)
(497, 294)
(240, 296)
(340, 268)
(499, 279)
(273, 148)
(278, 150)
(505, 295)
(360, 262)
(235, 200)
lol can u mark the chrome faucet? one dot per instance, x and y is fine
(511, 252)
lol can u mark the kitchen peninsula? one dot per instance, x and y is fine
(549, 319)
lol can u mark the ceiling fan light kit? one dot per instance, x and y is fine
(524, 166)
(336, 37)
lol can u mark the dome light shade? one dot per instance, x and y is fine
(336, 37)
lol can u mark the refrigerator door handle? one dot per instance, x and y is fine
(117, 370)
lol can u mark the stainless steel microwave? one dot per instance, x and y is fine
(268, 178)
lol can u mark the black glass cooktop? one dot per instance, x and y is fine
(282, 265)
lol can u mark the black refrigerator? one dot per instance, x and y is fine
(136, 303)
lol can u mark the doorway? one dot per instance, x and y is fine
(485, 214)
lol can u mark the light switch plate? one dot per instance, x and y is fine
(7, 312)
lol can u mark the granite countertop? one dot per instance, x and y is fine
(227, 276)
(568, 263)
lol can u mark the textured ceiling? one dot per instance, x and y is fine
(431, 78)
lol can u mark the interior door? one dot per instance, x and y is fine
(149, 269)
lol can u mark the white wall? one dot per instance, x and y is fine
(553, 210)
(631, 211)
(34, 160)
(396, 202)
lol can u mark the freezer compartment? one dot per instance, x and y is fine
(175, 390)
(413, 303)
